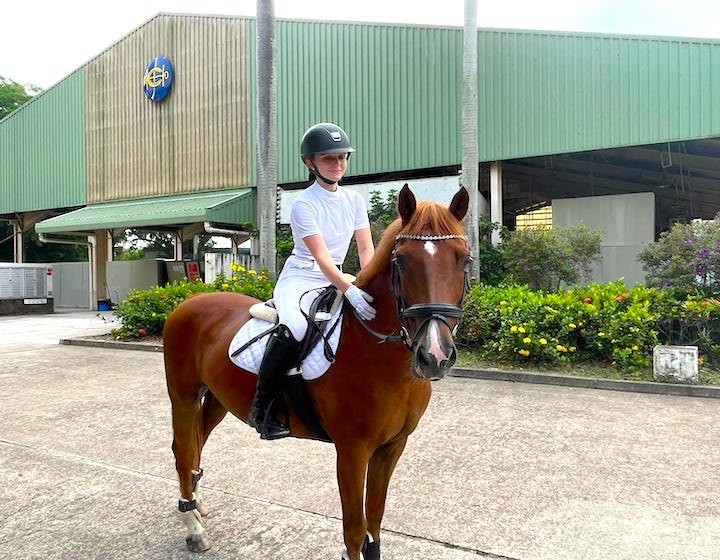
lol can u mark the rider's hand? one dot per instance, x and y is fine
(361, 302)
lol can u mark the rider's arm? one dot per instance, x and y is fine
(316, 245)
(366, 249)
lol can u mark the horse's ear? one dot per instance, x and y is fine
(460, 203)
(406, 204)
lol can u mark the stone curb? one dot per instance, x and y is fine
(117, 344)
(491, 375)
(590, 382)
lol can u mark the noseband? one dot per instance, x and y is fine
(428, 311)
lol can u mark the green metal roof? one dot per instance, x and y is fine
(225, 207)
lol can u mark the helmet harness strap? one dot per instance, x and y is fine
(315, 171)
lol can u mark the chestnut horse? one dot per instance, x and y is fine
(373, 395)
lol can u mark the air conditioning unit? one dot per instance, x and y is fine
(26, 288)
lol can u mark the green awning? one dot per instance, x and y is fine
(231, 207)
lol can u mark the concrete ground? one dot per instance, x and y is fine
(495, 470)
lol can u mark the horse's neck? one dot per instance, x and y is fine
(385, 303)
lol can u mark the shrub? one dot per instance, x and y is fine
(544, 259)
(604, 323)
(685, 259)
(144, 312)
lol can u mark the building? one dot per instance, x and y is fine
(562, 116)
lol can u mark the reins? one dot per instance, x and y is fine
(430, 311)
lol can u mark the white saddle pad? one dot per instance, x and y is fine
(314, 365)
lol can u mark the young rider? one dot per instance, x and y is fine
(324, 218)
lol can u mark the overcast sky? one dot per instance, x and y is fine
(42, 41)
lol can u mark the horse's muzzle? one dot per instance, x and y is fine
(434, 353)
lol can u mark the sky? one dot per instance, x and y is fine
(42, 41)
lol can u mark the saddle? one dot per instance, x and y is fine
(318, 317)
(322, 310)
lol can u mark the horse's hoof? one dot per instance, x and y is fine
(199, 543)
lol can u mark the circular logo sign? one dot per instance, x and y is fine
(158, 79)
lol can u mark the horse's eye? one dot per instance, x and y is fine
(400, 261)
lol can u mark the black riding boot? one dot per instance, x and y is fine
(280, 356)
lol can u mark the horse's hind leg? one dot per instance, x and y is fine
(212, 413)
(189, 436)
(380, 470)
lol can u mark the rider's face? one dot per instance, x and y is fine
(331, 166)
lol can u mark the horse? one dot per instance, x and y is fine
(374, 393)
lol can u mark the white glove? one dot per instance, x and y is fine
(361, 302)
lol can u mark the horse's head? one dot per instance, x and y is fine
(430, 268)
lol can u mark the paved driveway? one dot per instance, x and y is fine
(496, 469)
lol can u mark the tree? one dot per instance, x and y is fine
(546, 258)
(13, 95)
(267, 148)
(469, 178)
(685, 259)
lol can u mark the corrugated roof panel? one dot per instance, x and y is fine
(43, 150)
(546, 92)
(396, 89)
(392, 88)
(193, 140)
(232, 206)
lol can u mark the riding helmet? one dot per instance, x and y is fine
(324, 138)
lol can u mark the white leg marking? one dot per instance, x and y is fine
(197, 496)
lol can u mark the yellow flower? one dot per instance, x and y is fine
(241, 269)
(503, 302)
(252, 272)
(521, 329)
(234, 266)
(154, 314)
(635, 347)
(233, 279)
(561, 348)
(524, 352)
(513, 328)
(601, 334)
(543, 341)
(527, 340)
(572, 349)
(572, 325)
(224, 287)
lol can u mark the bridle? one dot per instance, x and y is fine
(428, 311)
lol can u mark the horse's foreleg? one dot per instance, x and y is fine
(352, 465)
(187, 444)
(380, 470)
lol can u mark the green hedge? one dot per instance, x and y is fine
(608, 323)
(144, 312)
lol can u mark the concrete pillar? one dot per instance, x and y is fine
(18, 242)
(98, 277)
(177, 247)
(496, 199)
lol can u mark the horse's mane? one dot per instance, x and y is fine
(429, 218)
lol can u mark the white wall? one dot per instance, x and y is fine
(436, 189)
(627, 222)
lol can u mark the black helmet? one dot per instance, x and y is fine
(324, 138)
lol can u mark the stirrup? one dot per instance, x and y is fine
(281, 430)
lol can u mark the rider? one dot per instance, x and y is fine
(323, 218)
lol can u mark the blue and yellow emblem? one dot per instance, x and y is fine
(158, 79)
